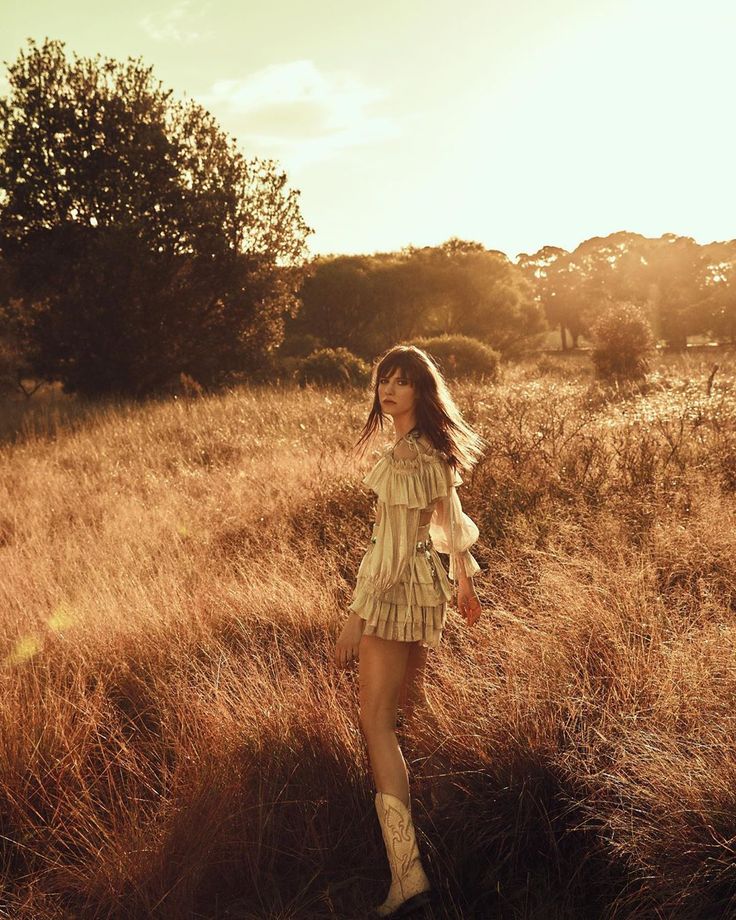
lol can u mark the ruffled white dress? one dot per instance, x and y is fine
(402, 588)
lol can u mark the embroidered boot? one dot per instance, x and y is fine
(409, 884)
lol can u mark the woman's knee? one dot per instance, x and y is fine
(377, 718)
(382, 671)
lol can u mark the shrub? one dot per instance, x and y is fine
(460, 356)
(622, 343)
(336, 366)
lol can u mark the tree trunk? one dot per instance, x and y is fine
(563, 337)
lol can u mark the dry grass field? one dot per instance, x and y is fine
(176, 742)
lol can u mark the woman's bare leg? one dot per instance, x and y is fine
(417, 724)
(382, 666)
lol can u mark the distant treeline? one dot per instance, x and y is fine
(137, 244)
(367, 302)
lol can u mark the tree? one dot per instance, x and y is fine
(338, 306)
(718, 307)
(13, 364)
(363, 303)
(487, 297)
(663, 277)
(601, 271)
(547, 271)
(675, 273)
(141, 243)
(367, 303)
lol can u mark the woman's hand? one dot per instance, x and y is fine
(468, 603)
(346, 647)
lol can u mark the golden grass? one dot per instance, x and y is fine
(175, 736)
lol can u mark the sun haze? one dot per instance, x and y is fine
(516, 125)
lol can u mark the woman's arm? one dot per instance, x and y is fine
(453, 532)
(348, 642)
(468, 603)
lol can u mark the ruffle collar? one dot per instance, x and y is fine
(415, 481)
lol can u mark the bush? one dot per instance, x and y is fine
(622, 343)
(336, 366)
(460, 356)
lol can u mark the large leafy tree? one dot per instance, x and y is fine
(675, 274)
(367, 303)
(363, 302)
(548, 272)
(664, 276)
(140, 241)
(600, 272)
(480, 293)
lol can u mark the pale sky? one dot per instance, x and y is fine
(515, 124)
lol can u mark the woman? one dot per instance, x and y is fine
(398, 606)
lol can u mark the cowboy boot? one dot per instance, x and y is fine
(409, 884)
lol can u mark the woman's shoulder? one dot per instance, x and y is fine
(414, 447)
(432, 458)
(410, 474)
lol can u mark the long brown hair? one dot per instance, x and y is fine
(437, 415)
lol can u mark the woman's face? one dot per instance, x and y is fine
(396, 394)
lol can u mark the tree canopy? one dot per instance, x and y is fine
(139, 241)
(367, 303)
(682, 287)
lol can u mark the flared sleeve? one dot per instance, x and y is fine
(451, 530)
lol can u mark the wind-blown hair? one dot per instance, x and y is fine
(436, 413)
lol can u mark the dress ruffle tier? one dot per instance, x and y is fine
(395, 615)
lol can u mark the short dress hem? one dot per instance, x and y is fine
(394, 615)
